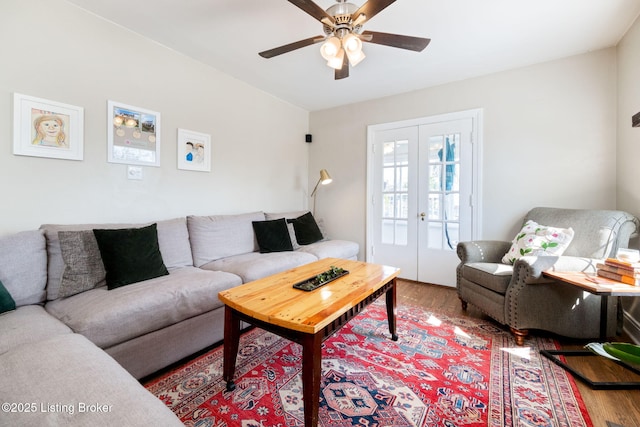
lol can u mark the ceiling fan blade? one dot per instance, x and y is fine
(343, 72)
(416, 44)
(313, 9)
(371, 9)
(291, 46)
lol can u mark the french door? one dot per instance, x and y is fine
(422, 192)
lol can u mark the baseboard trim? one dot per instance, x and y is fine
(631, 327)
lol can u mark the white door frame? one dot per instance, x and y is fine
(476, 198)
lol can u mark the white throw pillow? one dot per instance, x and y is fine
(540, 240)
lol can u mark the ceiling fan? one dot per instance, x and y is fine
(342, 24)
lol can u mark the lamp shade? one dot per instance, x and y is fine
(330, 48)
(325, 178)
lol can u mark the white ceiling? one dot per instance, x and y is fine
(468, 38)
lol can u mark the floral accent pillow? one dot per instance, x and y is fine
(540, 240)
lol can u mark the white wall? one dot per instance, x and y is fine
(549, 140)
(628, 167)
(51, 49)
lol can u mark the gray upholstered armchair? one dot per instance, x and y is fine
(520, 297)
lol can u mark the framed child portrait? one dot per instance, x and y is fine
(194, 151)
(44, 128)
(133, 135)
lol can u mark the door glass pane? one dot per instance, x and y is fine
(403, 206)
(388, 154)
(403, 178)
(453, 177)
(435, 147)
(452, 235)
(435, 235)
(388, 205)
(452, 207)
(388, 179)
(387, 231)
(401, 233)
(434, 206)
(435, 177)
(402, 153)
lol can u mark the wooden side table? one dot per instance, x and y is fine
(604, 288)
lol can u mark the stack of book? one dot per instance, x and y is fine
(620, 271)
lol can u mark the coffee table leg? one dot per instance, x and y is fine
(311, 375)
(231, 342)
(391, 310)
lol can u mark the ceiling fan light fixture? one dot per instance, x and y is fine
(336, 61)
(352, 43)
(355, 57)
(353, 47)
(330, 48)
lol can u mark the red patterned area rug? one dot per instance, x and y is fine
(443, 371)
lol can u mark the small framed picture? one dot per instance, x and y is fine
(44, 128)
(133, 135)
(194, 151)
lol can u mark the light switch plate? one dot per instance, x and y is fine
(134, 172)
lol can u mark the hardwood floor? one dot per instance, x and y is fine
(621, 407)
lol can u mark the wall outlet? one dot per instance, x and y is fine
(134, 172)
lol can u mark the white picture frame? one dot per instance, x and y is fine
(194, 151)
(133, 135)
(45, 128)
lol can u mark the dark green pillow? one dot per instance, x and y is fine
(306, 229)
(272, 235)
(130, 255)
(6, 301)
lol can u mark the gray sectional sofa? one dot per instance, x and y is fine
(73, 349)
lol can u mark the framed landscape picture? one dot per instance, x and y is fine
(133, 135)
(44, 128)
(194, 151)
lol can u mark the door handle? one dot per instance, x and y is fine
(422, 215)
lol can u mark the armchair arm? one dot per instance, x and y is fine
(528, 269)
(482, 250)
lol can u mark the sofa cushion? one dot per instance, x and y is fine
(332, 249)
(65, 374)
(254, 265)
(83, 267)
(538, 240)
(287, 215)
(6, 301)
(130, 255)
(23, 266)
(112, 317)
(173, 240)
(220, 236)
(493, 276)
(272, 235)
(28, 324)
(306, 229)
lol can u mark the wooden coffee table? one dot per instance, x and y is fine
(307, 318)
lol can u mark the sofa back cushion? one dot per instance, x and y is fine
(220, 236)
(597, 233)
(173, 239)
(23, 266)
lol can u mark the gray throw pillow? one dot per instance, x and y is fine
(83, 268)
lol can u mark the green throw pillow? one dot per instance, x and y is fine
(272, 235)
(6, 301)
(306, 229)
(130, 255)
